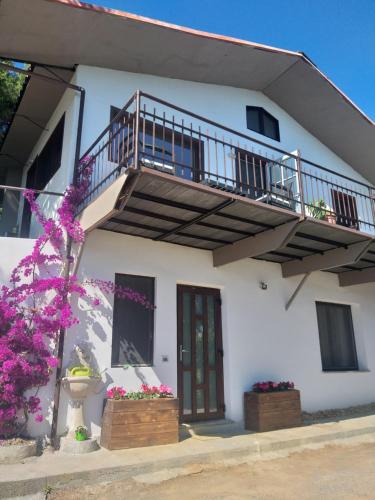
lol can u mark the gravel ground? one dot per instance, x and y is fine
(333, 472)
(338, 413)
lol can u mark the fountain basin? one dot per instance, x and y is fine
(78, 388)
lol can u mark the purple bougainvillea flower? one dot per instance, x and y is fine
(36, 307)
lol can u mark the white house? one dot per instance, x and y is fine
(232, 184)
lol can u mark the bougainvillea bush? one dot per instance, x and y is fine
(146, 392)
(36, 307)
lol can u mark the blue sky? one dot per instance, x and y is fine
(337, 35)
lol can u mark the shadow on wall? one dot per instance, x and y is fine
(94, 334)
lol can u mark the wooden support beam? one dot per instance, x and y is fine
(253, 246)
(191, 222)
(357, 277)
(332, 258)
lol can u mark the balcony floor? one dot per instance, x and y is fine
(167, 208)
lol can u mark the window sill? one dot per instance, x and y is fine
(345, 371)
(131, 366)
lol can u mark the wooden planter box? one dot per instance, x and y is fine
(135, 423)
(269, 411)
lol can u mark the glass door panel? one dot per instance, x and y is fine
(200, 363)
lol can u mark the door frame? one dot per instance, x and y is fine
(219, 357)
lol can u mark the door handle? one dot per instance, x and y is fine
(182, 350)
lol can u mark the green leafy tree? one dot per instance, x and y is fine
(10, 87)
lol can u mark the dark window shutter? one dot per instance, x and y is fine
(270, 126)
(336, 335)
(262, 122)
(253, 119)
(133, 324)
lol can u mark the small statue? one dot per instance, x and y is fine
(80, 361)
(83, 356)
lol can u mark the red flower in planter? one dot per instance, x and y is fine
(146, 392)
(271, 386)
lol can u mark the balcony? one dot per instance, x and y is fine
(162, 172)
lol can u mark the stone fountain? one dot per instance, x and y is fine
(79, 383)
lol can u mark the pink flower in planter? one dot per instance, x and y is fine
(165, 389)
(116, 393)
(147, 389)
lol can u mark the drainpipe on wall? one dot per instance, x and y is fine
(61, 338)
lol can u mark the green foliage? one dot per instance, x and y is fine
(141, 395)
(10, 87)
(47, 490)
(81, 433)
(318, 209)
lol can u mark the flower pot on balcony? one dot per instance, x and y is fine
(131, 423)
(330, 218)
(268, 411)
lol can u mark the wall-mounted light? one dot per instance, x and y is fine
(263, 285)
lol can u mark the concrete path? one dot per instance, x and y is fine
(345, 472)
(54, 470)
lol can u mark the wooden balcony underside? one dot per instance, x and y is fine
(167, 208)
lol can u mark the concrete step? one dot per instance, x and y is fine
(211, 429)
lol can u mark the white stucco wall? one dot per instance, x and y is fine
(226, 105)
(261, 340)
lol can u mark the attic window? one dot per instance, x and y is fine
(260, 121)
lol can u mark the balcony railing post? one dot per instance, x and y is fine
(372, 201)
(136, 129)
(300, 183)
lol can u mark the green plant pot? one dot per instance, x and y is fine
(80, 436)
(80, 371)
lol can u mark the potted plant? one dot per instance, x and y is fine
(272, 405)
(319, 210)
(141, 418)
(330, 217)
(81, 433)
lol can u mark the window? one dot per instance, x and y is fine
(133, 324)
(47, 163)
(43, 168)
(336, 335)
(160, 147)
(260, 121)
(345, 208)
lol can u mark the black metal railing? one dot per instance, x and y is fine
(151, 132)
